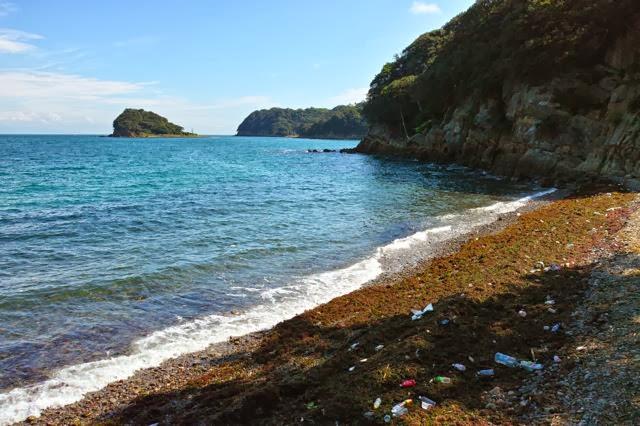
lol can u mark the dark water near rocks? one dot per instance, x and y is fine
(105, 242)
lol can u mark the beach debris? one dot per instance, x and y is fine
(505, 359)
(470, 358)
(369, 415)
(581, 348)
(400, 409)
(387, 418)
(556, 268)
(546, 328)
(353, 367)
(555, 328)
(440, 379)
(522, 313)
(486, 373)
(552, 310)
(154, 424)
(379, 348)
(444, 322)
(311, 405)
(556, 359)
(549, 301)
(426, 403)
(530, 366)
(417, 314)
(377, 403)
(570, 246)
(408, 383)
(364, 360)
(539, 265)
(353, 346)
(459, 367)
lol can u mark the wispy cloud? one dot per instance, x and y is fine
(6, 7)
(58, 102)
(14, 41)
(29, 84)
(349, 96)
(421, 8)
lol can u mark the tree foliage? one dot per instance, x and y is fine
(493, 42)
(343, 121)
(138, 122)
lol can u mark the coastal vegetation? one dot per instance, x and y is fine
(138, 123)
(341, 122)
(493, 43)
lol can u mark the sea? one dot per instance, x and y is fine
(118, 254)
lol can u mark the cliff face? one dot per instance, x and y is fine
(577, 124)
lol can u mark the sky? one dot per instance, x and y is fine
(71, 66)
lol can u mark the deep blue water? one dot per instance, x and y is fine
(103, 241)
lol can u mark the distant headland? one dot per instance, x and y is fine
(138, 123)
(341, 122)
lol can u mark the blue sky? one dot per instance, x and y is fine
(71, 66)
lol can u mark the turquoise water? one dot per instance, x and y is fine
(105, 241)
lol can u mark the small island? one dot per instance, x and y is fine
(138, 123)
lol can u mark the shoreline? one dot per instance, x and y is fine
(178, 372)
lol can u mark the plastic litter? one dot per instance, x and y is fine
(486, 373)
(459, 367)
(556, 359)
(505, 359)
(555, 328)
(530, 366)
(379, 348)
(364, 360)
(369, 414)
(417, 314)
(387, 418)
(538, 265)
(556, 268)
(377, 403)
(552, 311)
(353, 367)
(549, 301)
(408, 383)
(426, 403)
(444, 322)
(399, 409)
(353, 346)
(522, 313)
(441, 379)
(546, 328)
(311, 405)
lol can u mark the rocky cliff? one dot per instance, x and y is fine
(577, 122)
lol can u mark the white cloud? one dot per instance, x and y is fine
(6, 7)
(29, 84)
(13, 41)
(420, 8)
(51, 102)
(349, 96)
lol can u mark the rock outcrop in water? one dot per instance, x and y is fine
(138, 123)
(540, 89)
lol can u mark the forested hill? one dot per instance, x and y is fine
(341, 122)
(531, 88)
(138, 123)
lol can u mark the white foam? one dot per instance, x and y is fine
(70, 384)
